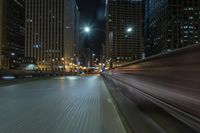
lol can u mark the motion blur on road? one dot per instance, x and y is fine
(155, 95)
(164, 87)
(73, 104)
(99, 66)
(118, 101)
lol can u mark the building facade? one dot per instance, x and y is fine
(124, 28)
(171, 24)
(1, 34)
(51, 33)
(12, 33)
(77, 37)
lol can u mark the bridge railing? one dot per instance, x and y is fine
(188, 52)
(170, 80)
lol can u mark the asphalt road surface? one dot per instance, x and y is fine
(61, 105)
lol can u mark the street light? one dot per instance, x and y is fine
(13, 54)
(130, 29)
(87, 29)
(12, 61)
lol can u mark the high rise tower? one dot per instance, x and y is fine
(171, 24)
(12, 32)
(51, 33)
(124, 28)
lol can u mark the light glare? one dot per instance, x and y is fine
(87, 29)
(129, 29)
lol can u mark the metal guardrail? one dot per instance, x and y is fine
(186, 51)
(170, 80)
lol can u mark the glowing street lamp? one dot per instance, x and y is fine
(87, 29)
(13, 54)
(130, 29)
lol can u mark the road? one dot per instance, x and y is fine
(71, 104)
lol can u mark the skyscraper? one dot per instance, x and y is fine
(171, 24)
(51, 33)
(12, 32)
(77, 37)
(124, 28)
(1, 33)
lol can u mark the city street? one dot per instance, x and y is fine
(74, 104)
(120, 66)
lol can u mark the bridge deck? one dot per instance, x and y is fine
(62, 105)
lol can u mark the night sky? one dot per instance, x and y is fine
(92, 14)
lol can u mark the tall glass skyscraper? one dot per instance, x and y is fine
(12, 32)
(51, 32)
(124, 28)
(171, 24)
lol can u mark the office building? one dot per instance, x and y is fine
(1, 34)
(124, 30)
(12, 32)
(77, 37)
(171, 24)
(51, 33)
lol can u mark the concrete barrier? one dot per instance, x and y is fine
(172, 81)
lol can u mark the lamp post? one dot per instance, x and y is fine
(93, 55)
(12, 63)
(63, 63)
(52, 66)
